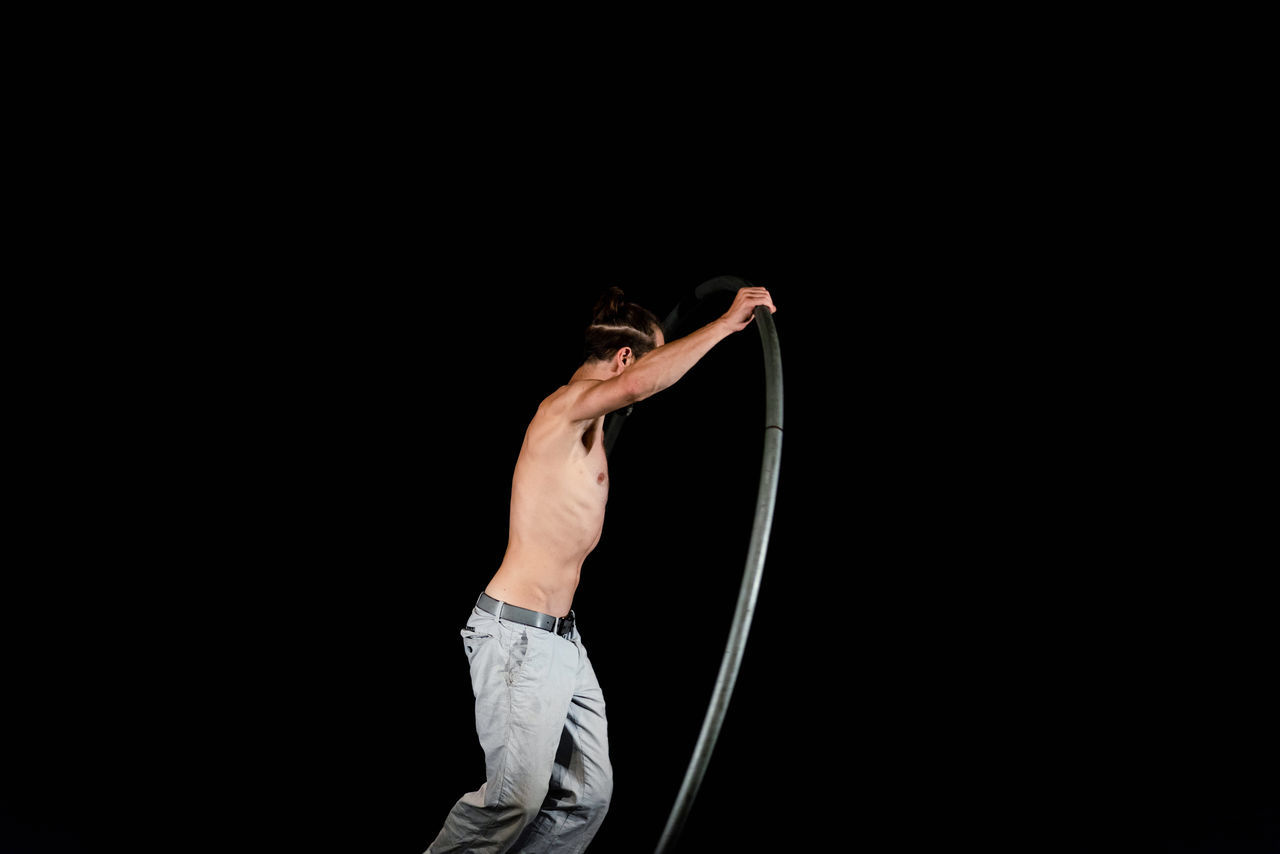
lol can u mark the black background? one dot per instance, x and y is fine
(1003, 604)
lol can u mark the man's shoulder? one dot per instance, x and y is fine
(555, 406)
(561, 397)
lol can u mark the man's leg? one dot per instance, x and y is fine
(582, 782)
(523, 680)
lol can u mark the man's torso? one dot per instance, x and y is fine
(558, 496)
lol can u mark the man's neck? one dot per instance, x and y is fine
(593, 371)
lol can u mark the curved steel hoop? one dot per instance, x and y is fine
(748, 593)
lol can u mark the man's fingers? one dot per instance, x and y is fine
(743, 310)
(759, 296)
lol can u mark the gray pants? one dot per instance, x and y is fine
(540, 718)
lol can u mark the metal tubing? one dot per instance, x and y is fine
(766, 499)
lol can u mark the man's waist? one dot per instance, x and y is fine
(562, 626)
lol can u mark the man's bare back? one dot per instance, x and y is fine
(561, 480)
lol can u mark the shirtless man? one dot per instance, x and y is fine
(539, 709)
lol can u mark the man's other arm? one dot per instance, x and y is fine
(663, 366)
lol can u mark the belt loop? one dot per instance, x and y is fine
(499, 614)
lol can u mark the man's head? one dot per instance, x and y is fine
(620, 331)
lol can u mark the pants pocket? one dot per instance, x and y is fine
(472, 641)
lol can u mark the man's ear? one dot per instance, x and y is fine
(625, 357)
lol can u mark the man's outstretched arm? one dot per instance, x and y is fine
(663, 366)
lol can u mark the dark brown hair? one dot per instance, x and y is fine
(617, 323)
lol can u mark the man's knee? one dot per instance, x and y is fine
(523, 800)
(493, 814)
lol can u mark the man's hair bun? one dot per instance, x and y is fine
(611, 308)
